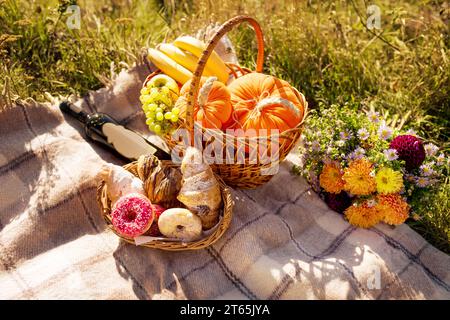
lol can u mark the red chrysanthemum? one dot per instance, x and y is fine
(338, 202)
(410, 149)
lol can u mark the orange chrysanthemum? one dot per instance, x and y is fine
(331, 178)
(358, 177)
(394, 209)
(362, 215)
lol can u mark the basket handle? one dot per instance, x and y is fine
(195, 83)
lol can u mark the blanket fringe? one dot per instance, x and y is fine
(7, 98)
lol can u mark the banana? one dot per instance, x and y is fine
(186, 59)
(196, 47)
(169, 67)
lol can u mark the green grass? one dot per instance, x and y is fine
(322, 47)
(39, 53)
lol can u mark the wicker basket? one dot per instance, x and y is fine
(245, 175)
(105, 209)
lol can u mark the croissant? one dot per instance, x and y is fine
(120, 182)
(145, 165)
(161, 181)
(200, 191)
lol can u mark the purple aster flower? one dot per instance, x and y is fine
(315, 146)
(440, 159)
(384, 131)
(422, 182)
(363, 134)
(373, 116)
(426, 170)
(390, 154)
(358, 153)
(345, 135)
(431, 149)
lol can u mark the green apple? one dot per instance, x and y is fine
(162, 80)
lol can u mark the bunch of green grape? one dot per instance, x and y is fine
(158, 105)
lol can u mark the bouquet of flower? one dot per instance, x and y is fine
(366, 169)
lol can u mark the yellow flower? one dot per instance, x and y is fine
(363, 215)
(394, 209)
(331, 178)
(388, 180)
(358, 177)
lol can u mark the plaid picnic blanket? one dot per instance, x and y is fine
(283, 243)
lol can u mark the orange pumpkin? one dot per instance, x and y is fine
(264, 102)
(213, 107)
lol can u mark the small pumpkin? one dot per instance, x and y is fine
(265, 102)
(213, 107)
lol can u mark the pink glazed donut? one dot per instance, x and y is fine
(132, 215)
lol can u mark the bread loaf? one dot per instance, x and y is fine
(200, 191)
